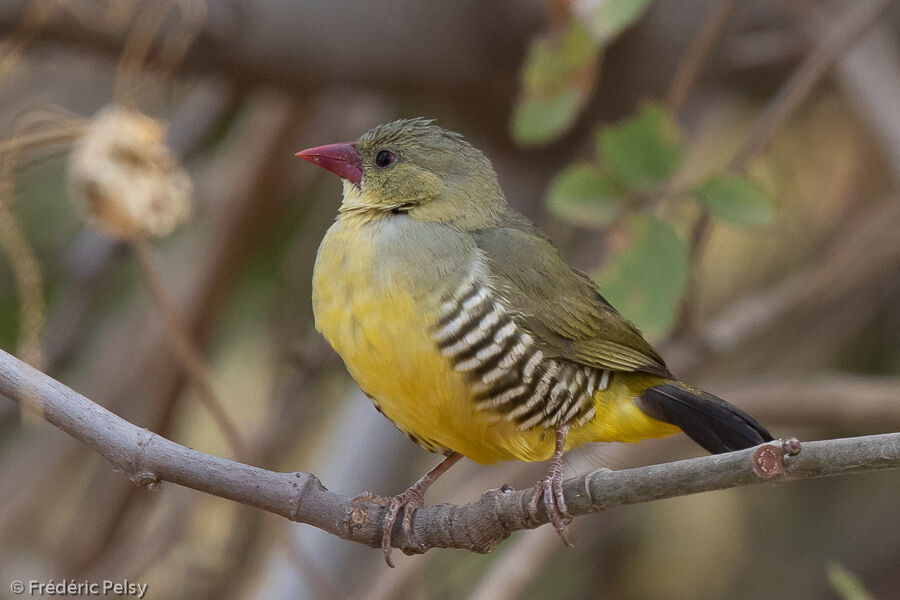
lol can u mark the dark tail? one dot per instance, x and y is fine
(708, 420)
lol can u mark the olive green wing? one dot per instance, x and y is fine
(559, 306)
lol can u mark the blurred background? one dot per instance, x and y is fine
(728, 170)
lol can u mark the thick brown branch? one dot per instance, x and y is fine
(480, 526)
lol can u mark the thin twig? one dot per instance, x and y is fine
(186, 349)
(689, 68)
(869, 76)
(26, 268)
(691, 65)
(868, 249)
(40, 139)
(148, 20)
(36, 16)
(480, 526)
(831, 47)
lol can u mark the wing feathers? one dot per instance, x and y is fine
(559, 306)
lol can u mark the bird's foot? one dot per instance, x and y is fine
(408, 502)
(550, 489)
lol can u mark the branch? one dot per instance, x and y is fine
(690, 66)
(185, 348)
(869, 76)
(836, 41)
(791, 401)
(302, 46)
(866, 251)
(480, 526)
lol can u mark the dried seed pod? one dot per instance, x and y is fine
(129, 180)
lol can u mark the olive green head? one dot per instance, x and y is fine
(416, 168)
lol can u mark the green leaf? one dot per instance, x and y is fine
(557, 78)
(646, 280)
(554, 59)
(537, 121)
(736, 200)
(582, 195)
(607, 18)
(643, 150)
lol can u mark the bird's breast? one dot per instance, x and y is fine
(408, 307)
(378, 282)
(376, 289)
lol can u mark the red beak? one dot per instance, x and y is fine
(341, 159)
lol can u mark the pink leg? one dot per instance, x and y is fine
(551, 491)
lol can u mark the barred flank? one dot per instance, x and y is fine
(509, 374)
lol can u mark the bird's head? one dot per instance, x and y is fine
(415, 168)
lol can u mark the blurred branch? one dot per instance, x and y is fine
(135, 62)
(832, 45)
(159, 535)
(26, 268)
(306, 46)
(34, 16)
(211, 102)
(27, 271)
(186, 349)
(869, 76)
(89, 258)
(874, 404)
(691, 64)
(134, 368)
(40, 139)
(480, 526)
(867, 249)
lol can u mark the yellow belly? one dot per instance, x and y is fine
(380, 326)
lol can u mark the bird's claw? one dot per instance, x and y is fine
(408, 501)
(550, 489)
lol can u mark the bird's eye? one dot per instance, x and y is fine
(385, 158)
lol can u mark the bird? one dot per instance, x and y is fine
(469, 332)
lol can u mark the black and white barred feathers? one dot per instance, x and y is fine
(508, 373)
